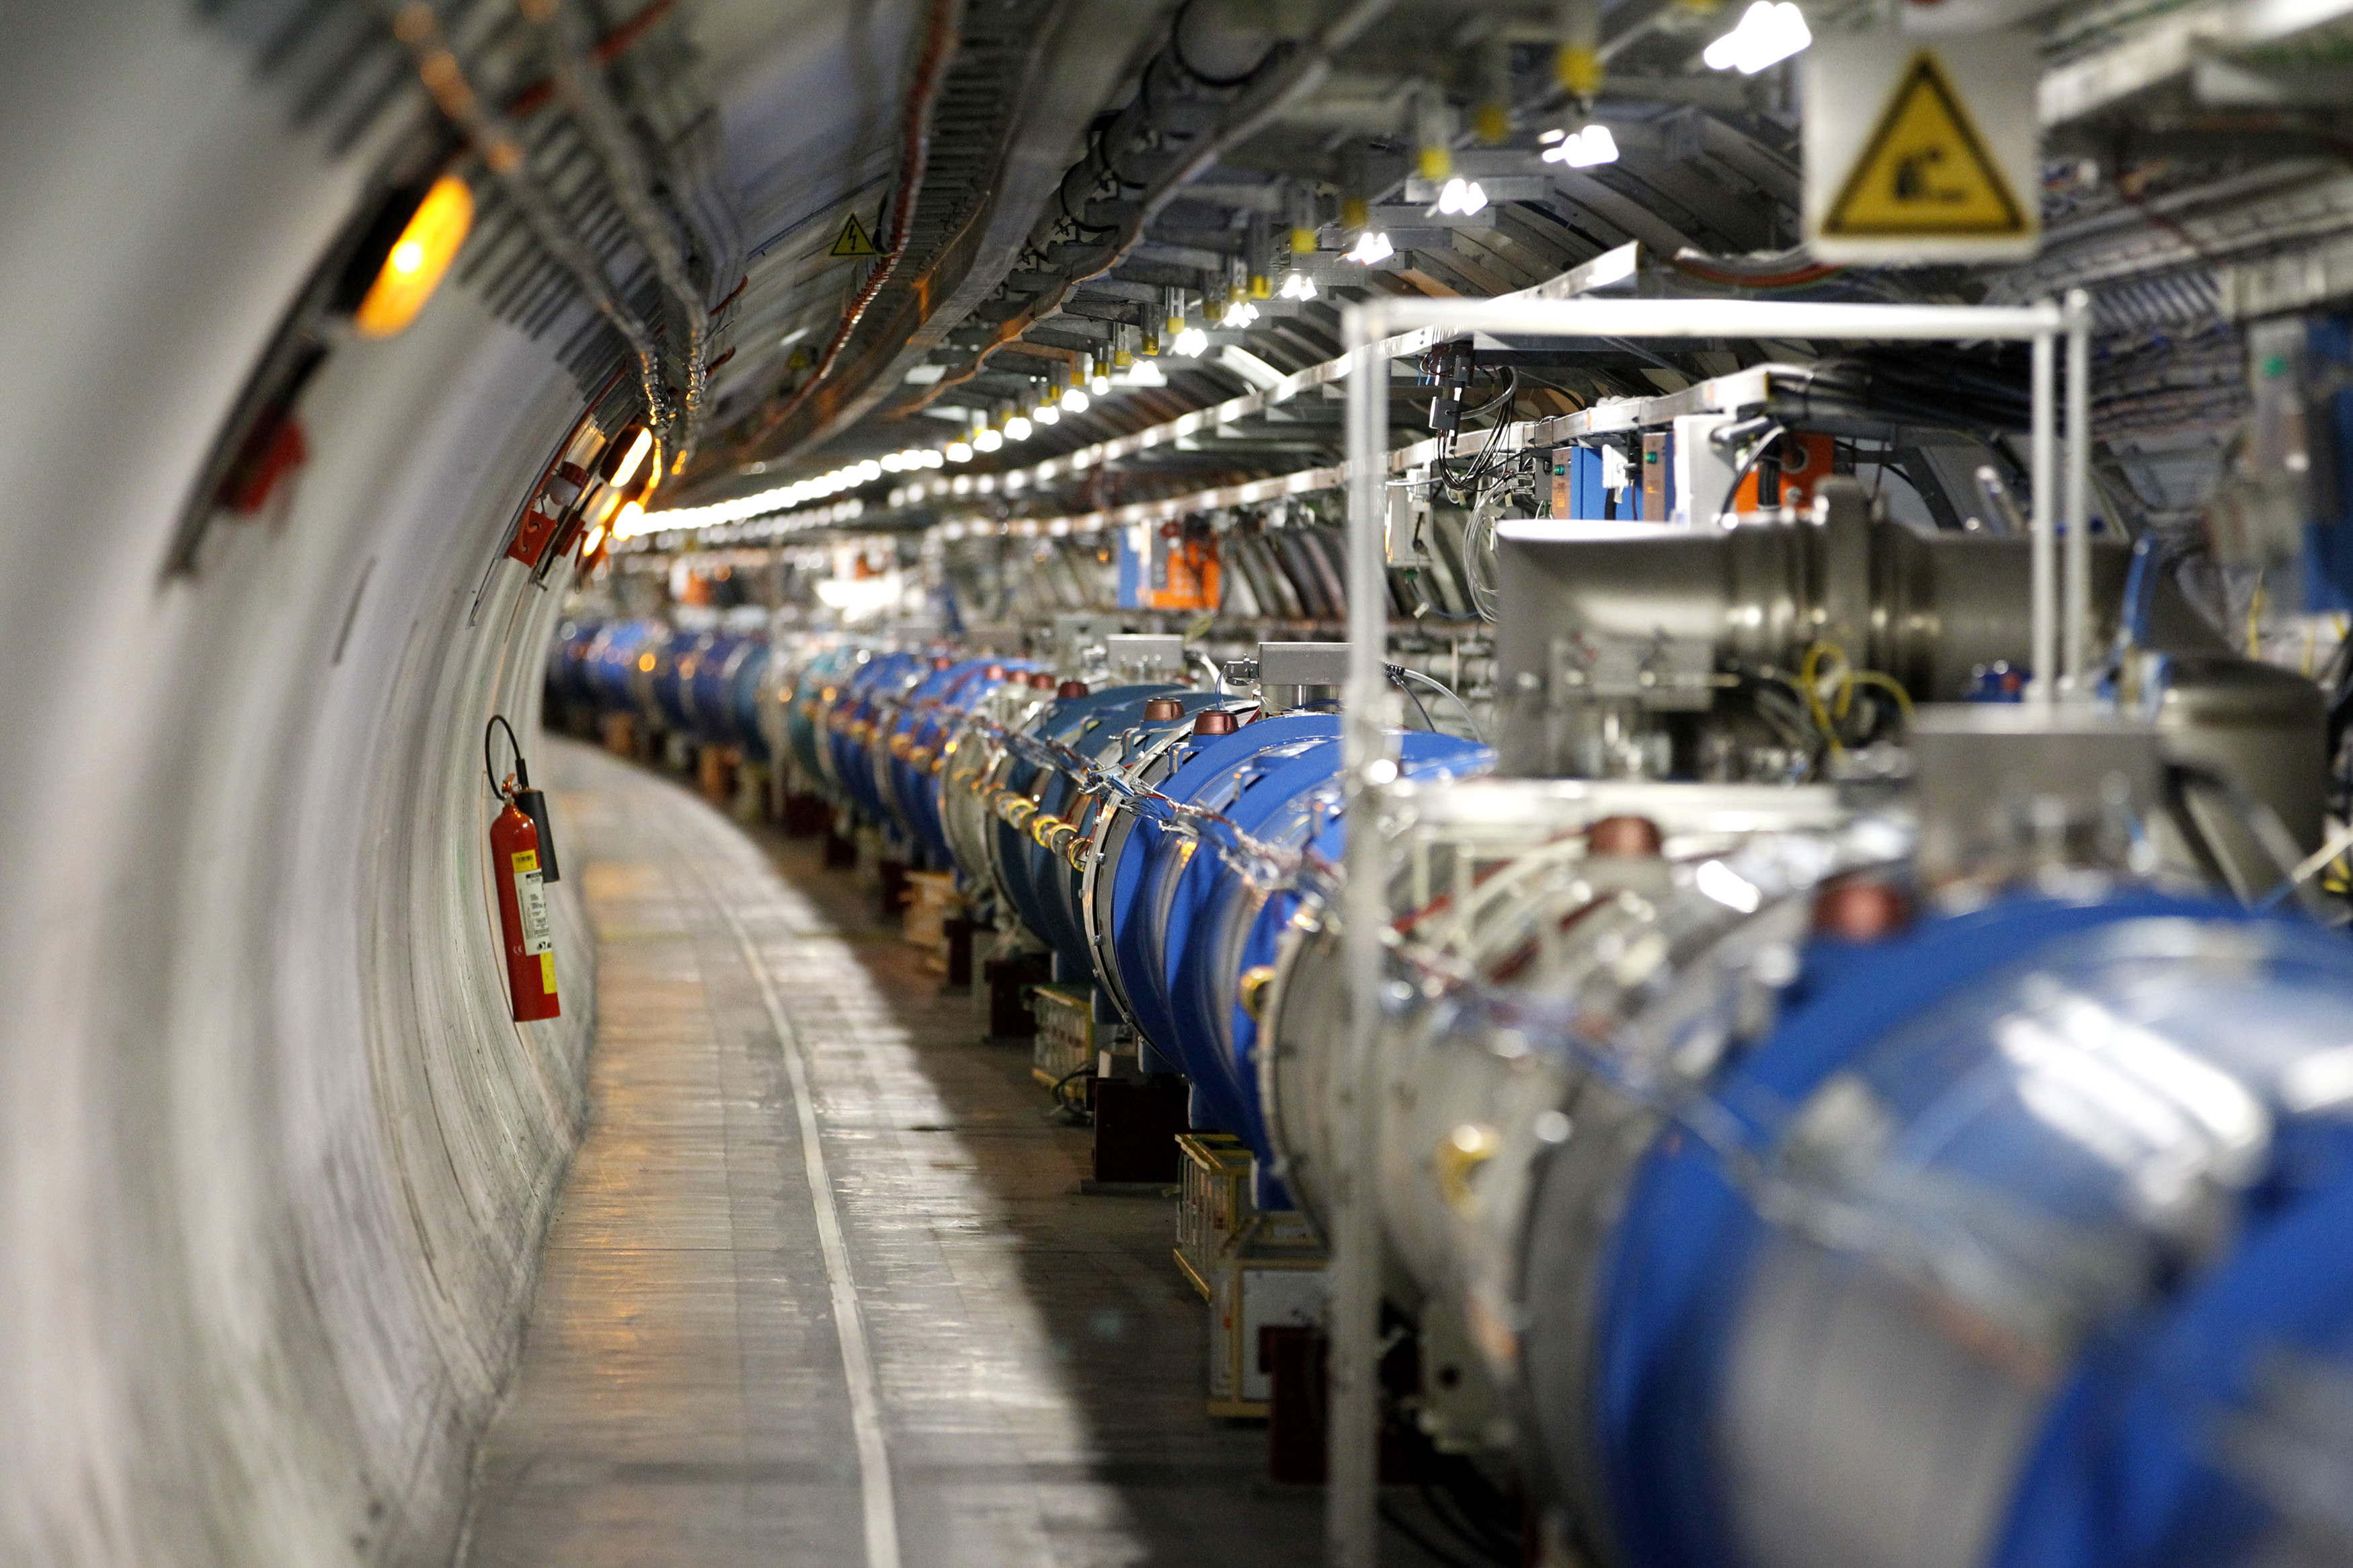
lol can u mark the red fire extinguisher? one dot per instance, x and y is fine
(521, 866)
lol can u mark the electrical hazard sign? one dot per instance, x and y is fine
(1921, 149)
(853, 239)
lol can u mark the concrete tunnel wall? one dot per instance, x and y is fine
(275, 1165)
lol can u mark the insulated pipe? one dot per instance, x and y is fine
(579, 83)
(443, 71)
(1702, 1216)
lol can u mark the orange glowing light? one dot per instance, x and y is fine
(630, 458)
(419, 259)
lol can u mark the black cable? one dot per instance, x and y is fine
(1440, 465)
(1756, 456)
(522, 773)
(1398, 680)
(1430, 1548)
(1465, 1524)
(1062, 1102)
(1471, 1494)
(1484, 465)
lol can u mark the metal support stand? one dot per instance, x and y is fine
(2077, 674)
(1352, 1525)
(1352, 1522)
(2042, 688)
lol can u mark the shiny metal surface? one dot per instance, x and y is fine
(1924, 608)
(683, 1398)
(2002, 1181)
(1503, 1165)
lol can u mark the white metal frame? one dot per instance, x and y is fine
(1352, 1526)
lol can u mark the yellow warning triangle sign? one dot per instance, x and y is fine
(853, 239)
(1925, 171)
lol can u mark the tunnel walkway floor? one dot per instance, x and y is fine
(1023, 1380)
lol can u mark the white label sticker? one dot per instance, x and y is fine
(538, 935)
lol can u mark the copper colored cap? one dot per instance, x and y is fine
(1213, 722)
(1070, 689)
(1627, 835)
(1860, 909)
(1163, 708)
(1040, 682)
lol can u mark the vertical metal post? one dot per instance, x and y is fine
(1351, 1522)
(2045, 619)
(2078, 599)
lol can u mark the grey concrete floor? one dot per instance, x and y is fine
(1035, 1361)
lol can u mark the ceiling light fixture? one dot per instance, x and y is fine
(1770, 31)
(1372, 248)
(413, 267)
(959, 452)
(1191, 342)
(1018, 428)
(1461, 197)
(1585, 149)
(1074, 400)
(988, 441)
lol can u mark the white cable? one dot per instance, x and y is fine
(1451, 695)
(2310, 867)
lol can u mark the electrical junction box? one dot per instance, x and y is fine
(1657, 481)
(1589, 484)
(1702, 471)
(1148, 656)
(1303, 663)
(1401, 525)
(2288, 501)
(1294, 674)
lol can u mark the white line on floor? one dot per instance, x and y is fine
(849, 1318)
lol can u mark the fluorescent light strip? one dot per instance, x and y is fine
(1610, 267)
(1614, 266)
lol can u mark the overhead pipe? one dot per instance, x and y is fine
(443, 74)
(1262, 97)
(581, 87)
